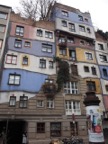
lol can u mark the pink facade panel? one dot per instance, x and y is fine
(105, 98)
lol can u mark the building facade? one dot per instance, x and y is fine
(29, 101)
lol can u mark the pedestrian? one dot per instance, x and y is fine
(24, 139)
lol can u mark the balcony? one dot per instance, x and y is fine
(49, 89)
(62, 44)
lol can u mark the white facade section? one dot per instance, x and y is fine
(99, 45)
(33, 63)
(102, 58)
(5, 96)
(77, 29)
(84, 74)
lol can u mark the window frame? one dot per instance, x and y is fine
(72, 106)
(91, 85)
(93, 69)
(64, 23)
(12, 81)
(74, 128)
(23, 102)
(55, 129)
(42, 63)
(65, 13)
(19, 31)
(50, 103)
(12, 101)
(105, 72)
(18, 43)
(71, 88)
(40, 127)
(72, 55)
(46, 48)
(71, 27)
(86, 69)
(51, 64)
(24, 62)
(5, 14)
(2, 28)
(80, 18)
(49, 34)
(89, 55)
(100, 46)
(13, 59)
(62, 51)
(27, 44)
(40, 103)
(39, 32)
(103, 58)
(81, 28)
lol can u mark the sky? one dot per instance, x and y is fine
(97, 8)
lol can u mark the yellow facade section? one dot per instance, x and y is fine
(60, 55)
(97, 84)
(81, 55)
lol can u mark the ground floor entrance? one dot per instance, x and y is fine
(11, 131)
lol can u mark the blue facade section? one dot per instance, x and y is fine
(30, 82)
(35, 49)
(101, 72)
(73, 17)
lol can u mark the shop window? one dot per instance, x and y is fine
(55, 129)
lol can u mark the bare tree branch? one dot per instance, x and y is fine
(35, 9)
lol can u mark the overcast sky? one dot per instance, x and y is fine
(97, 8)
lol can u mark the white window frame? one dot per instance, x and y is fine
(42, 63)
(40, 103)
(50, 103)
(18, 43)
(12, 101)
(48, 34)
(46, 48)
(89, 55)
(19, 30)
(71, 87)
(23, 102)
(72, 107)
(11, 59)
(14, 79)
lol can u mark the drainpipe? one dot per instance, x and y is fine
(94, 120)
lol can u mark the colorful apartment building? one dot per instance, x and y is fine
(29, 101)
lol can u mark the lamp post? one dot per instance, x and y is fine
(94, 119)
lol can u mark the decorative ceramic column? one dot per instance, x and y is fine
(95, 130)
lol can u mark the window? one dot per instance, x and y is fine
(80, 18)
(62, 40)
(1, 42)
(89, 56)
(40, 103)
(25, 60)
(86, 68)
(40, 127)
(27, 44)
(88, 30)
(70, 40)
(72, 55)
(47, 48)
(71, 27)
(51, 63)
(103, 58)
(14, 79)
(48, 34)
(93, 70)
(71, 87)
(64, 23)
(72, 107)
(23, 101)
(74, 128)
(18, 43)
(106, 87)
(82, 28)
(91, 86)
(88, 43)
(55, 129)
(11, 59)
(62, 51)
(2, 28)
(42, 63)
(65, 13)
(50, 103)
(105, 72)
(86, 20)
(12, 101)
(100, 46)
(49, 80)
(39, 33)
(19, 30)
(82, 42)
(74, 70)
(3, 15)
